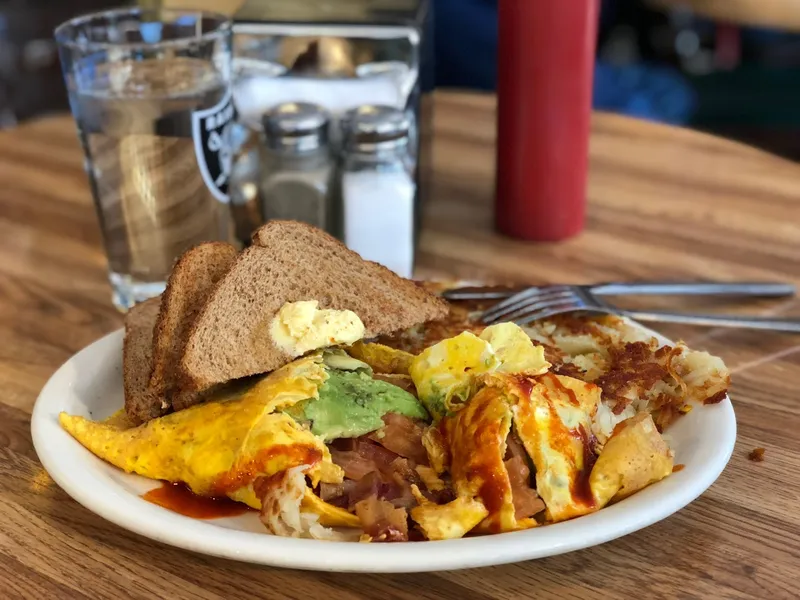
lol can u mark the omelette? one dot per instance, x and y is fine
(477, 437)
(635, 456)
(279, 424)
(553, 417)
(219, 447)
(488, 391)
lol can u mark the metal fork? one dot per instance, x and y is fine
(537, 303)
(761, 289)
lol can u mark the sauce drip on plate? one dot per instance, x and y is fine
(180, 499)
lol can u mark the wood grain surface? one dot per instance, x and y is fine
(663, 203)
(783, 15)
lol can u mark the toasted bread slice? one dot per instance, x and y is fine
(188, 288)
(141, 404)
(289, 262)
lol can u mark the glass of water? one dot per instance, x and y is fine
(150, 91)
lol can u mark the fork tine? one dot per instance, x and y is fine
(523, 297)
(566, 297)
(545, 313)
(529, 304)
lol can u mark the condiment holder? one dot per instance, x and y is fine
(337, 56)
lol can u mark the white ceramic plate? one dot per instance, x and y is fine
(90, 384)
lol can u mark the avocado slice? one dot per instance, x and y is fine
(352, 403)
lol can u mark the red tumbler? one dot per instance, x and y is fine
(545, 69)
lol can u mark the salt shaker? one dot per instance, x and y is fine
(377, 186)
(297, 167)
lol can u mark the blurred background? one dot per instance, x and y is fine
(724, 66)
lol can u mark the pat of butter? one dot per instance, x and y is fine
(300, 327)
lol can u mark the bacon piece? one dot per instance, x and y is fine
(514, 447)
(381, 521)
(331, 491)
(365, 457)
(372, 470)
(344, 444)
(375, 452)
(526, 501)
(327, 491)
(373, 484)
(403, 475)
(392, 484)
(402, 436)
(354, 464)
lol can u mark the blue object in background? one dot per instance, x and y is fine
(465, 38)
(643, 91)
(151, 32)
(466, 57)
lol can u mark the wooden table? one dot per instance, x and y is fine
(783, 15)
(664, 203)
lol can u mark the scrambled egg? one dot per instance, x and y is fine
(444, 374)
(302, 326)
(554, 423)
(447, 521)
(515, 350)
(430, 478)
(382, 359)
(220, 447)
(634, 457)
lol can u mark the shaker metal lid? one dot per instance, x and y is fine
(375, 127)
(298, 125)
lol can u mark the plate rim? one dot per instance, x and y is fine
(121, 507)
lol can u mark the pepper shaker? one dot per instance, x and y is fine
(377, 186)
(297, 167)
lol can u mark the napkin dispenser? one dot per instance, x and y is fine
(338, 54)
